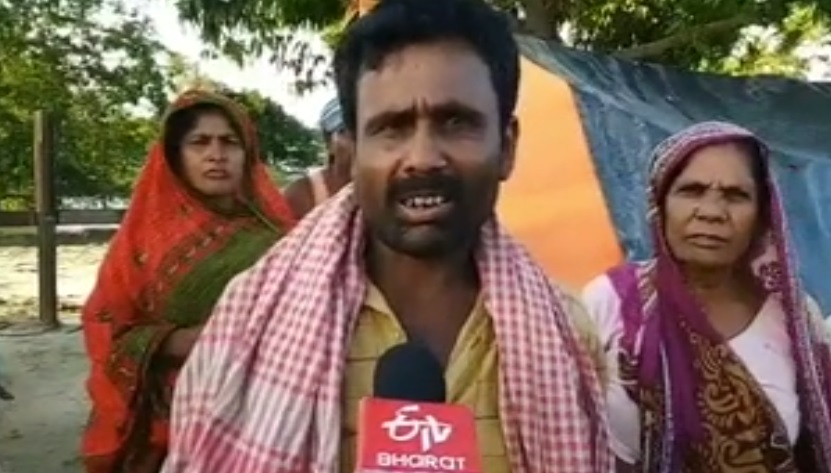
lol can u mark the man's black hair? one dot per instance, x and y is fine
(395, 24)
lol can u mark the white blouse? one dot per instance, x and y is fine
(764, 347)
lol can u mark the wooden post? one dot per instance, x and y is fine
(47, 219)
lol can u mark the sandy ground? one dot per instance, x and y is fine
(39, 430)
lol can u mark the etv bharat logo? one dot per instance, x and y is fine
(428, 430)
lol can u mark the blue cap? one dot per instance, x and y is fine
(331, 119)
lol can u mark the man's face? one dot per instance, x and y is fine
(430, 151)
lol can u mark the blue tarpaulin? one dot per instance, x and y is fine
(627, 108)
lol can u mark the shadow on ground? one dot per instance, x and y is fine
(40, 429)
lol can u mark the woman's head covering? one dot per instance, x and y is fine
(159, 193)
(668, 334)
(171, 135)
(167, 235)
(165, 215)
(331, 118)
(235, 112)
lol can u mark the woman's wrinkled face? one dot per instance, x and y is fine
(213, 157)
(711, 210)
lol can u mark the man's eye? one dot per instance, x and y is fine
(391, 130)
(458, 122)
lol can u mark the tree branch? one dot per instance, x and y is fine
(543, 18)
(656, 48)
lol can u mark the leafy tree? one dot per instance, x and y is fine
(692, 34)
(91, 63)
(285, 143)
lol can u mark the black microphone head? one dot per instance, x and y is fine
(409, 372)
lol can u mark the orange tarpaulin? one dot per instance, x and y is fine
(553, 202)
(359, 7)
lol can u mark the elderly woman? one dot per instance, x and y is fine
(719, 361)
(203, 210)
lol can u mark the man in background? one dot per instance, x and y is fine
(319, 184)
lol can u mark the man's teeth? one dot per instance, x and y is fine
(422, 202)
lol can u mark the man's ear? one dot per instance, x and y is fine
(342, 150)
(345, 146)
(510, 138)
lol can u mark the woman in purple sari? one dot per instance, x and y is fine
(719, 361)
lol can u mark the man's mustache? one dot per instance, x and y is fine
(449, 186)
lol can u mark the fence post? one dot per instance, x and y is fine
(47, 219)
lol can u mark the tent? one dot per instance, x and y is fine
(588, 123)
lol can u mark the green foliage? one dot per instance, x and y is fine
(243, 29)
(709, 35)
(776, 51)
(692, 34)
(285, 143)
(94, 66)
(57, 56)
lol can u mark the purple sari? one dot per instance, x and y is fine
(701, 410)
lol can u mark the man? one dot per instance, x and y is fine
(410, 251)
(319, 184)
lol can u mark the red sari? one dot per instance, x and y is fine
(166, 267)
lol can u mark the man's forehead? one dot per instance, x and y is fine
(420, 105)
(416, 79)
(437, 61)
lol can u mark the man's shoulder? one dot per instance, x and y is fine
(298, 193)
(575, 310)
(567, 294)
(583, 325)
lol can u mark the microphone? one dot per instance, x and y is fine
(409, 372)
(406, 426)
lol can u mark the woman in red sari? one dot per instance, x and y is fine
(203, 210)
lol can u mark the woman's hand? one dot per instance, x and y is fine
(180, 342)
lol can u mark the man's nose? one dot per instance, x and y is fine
(425, 152)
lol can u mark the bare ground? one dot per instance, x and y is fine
(40, 429)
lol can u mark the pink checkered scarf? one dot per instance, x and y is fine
(261, 392)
